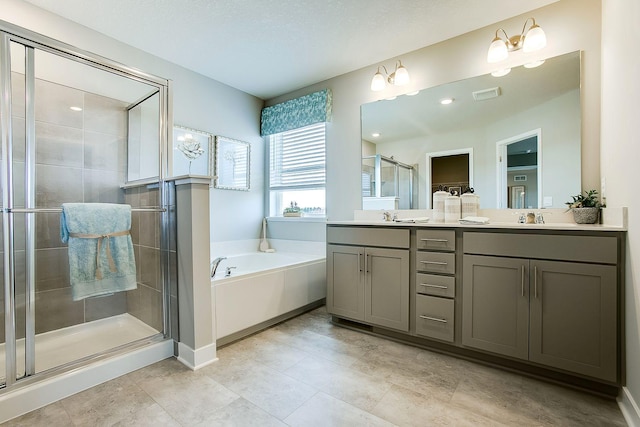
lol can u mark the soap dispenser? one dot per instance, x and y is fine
(470, 203)
(438, 203)
(452, 207)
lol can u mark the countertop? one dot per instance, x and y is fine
(501, 225)
(613, 219)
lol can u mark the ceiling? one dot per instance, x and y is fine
(271, 47)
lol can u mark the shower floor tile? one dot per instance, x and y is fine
(66, 345)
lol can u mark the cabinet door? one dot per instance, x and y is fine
(387, 288)
(495, 305)
(345, 281)
(573, 317)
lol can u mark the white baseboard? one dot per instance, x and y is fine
(31, 397)
(196, 359)
(629, 408)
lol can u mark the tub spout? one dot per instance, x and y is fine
(214, 265)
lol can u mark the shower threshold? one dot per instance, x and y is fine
(59, 347)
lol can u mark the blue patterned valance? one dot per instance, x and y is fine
(296, 113)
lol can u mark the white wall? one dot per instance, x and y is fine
(620, 153)
(564, 23)
(199, 103)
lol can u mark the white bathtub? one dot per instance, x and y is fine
(264, 289)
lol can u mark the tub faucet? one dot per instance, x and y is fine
(214, 265)
(228, 271)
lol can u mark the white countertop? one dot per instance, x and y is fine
(615, 219)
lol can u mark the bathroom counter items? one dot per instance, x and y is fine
(614, 219)
(540, 298)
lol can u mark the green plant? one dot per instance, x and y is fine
(294, 208)
(587, 200)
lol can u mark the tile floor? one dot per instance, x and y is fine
(307, 372)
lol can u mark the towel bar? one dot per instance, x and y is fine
(59, 210)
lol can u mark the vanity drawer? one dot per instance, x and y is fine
(601, 249)
(436, 262)
(369, 236)
(437, 240)
(440, 286)
(434, 317)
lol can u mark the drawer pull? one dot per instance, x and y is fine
(434, 262)
(434, 286)
(435, 240)
(435, 319)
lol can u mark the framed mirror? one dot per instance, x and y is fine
(192, 152)
(232, 164)
(526, 123)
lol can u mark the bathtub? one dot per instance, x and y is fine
(264, 289)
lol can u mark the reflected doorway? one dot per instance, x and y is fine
(452, 169)
(519, 171)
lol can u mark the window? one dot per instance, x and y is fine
(297, 171)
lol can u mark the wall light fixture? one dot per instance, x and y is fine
(399, 77)
(528, 40)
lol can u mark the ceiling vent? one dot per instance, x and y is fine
(483, 95)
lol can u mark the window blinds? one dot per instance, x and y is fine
(297, 158)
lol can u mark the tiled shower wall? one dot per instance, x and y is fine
(80, 157)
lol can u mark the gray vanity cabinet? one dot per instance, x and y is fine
(345, 281)
(573, 317)
(495, 305)
(554, 313)
(369, 283)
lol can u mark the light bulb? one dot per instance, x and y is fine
(401, 76)
(535, 39)
(378, 83)
(497, 51)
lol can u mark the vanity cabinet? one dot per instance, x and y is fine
(545, 308)
(368, 275)
(435, 283)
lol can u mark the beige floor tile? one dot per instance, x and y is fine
(309, 372)
(106, 403)
(407, 408)
(555, 405)
(241, 413)
(323, 410)
(152, 416)
(188, 397)
(50, 415)
(276, 393)
(354, 387)
(412, 375)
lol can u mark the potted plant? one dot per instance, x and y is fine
(585, 207)
(292, 211)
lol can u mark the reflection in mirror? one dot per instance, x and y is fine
(523, 130)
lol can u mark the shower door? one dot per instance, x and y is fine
(66, 124)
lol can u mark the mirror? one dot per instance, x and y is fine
(520, 130)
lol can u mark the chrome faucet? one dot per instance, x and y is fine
(227, 272)
(539, 218)
(214, 265)
(522, 218)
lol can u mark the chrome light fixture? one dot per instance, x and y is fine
(528, 40)
(399, 77)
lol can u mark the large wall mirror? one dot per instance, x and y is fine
(519, 135)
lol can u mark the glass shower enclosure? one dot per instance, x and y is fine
(386, 183)
(75, 127)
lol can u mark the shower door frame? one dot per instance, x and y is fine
(31, 41)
